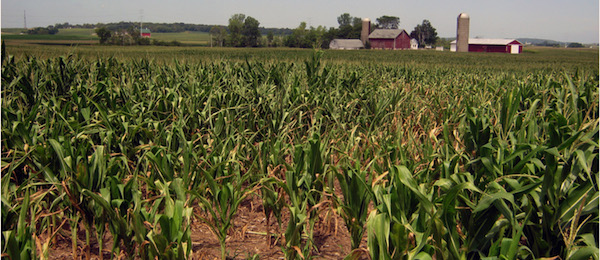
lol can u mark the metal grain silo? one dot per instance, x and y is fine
(462, 33)
(366, 30)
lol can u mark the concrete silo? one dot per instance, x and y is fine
(366, 30)
(462, 33)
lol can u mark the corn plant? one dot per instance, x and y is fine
(116, 204)
(19, 242)
(357, 196)
(225, 190)
(304, 187)
(271, 194)
(169, 237)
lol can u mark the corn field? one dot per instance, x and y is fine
(422, 162)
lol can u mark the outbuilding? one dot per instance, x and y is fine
(492, 45)
(390, 39)
(146, 33)
(414, 44)
(346, 44)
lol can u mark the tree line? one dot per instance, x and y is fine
(163, 27)
(245, 31)
(41, 30)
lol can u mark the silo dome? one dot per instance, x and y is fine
(463, 15)
(366, 20)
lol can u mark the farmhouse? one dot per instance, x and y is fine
(145, 33)
(414, 44)
(492, 45)
(389, 39)
(346, 44)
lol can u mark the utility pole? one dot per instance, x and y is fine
(141, 18)
(25, 19)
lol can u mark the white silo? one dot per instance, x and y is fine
(366, 30)
(462, 33)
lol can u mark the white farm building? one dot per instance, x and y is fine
(346, 44)
(492, 45)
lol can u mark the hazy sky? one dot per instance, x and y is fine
(573, 21)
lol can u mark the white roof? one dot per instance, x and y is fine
(489, 41)
(346, 44)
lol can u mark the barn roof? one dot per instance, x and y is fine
(385, 33)
(146, 30)
(346, 44)
(490, 41)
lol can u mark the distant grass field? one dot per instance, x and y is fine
(77, 35)
(184, 37)
(7, 31)
(62, 35)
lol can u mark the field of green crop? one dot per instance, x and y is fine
(63, 34)
(121, 152)
(77, 34)
(184, 37)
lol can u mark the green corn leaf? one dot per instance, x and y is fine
(488, 199)
(58, 149)
(518, 168)
(584, 253)
(423, 256)
(406, 178)
(583, 194)
(449, 214)
(379, 233)
(22, 224)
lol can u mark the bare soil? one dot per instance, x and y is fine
(247, 237)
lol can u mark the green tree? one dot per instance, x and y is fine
(52, 30)
(424, 33)
(328, 36)
(134, 33)
(270, 37)
(104, 34)
(356, 28)
(388, 22)
(350, 27)
(41, 30)
(314, 37)
(218, 34)
(575, 45)
(251, 33)
(345, 20)
(236, 27)
(296, 39)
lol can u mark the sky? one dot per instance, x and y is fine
(568, 21)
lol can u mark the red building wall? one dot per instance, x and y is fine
(385, 44)
(402, 41)
(494, 48)
(489, 48)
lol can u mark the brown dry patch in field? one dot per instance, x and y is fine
(246, 237)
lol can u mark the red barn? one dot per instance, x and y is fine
(389, 39)
(493, 45)
(145, 33)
